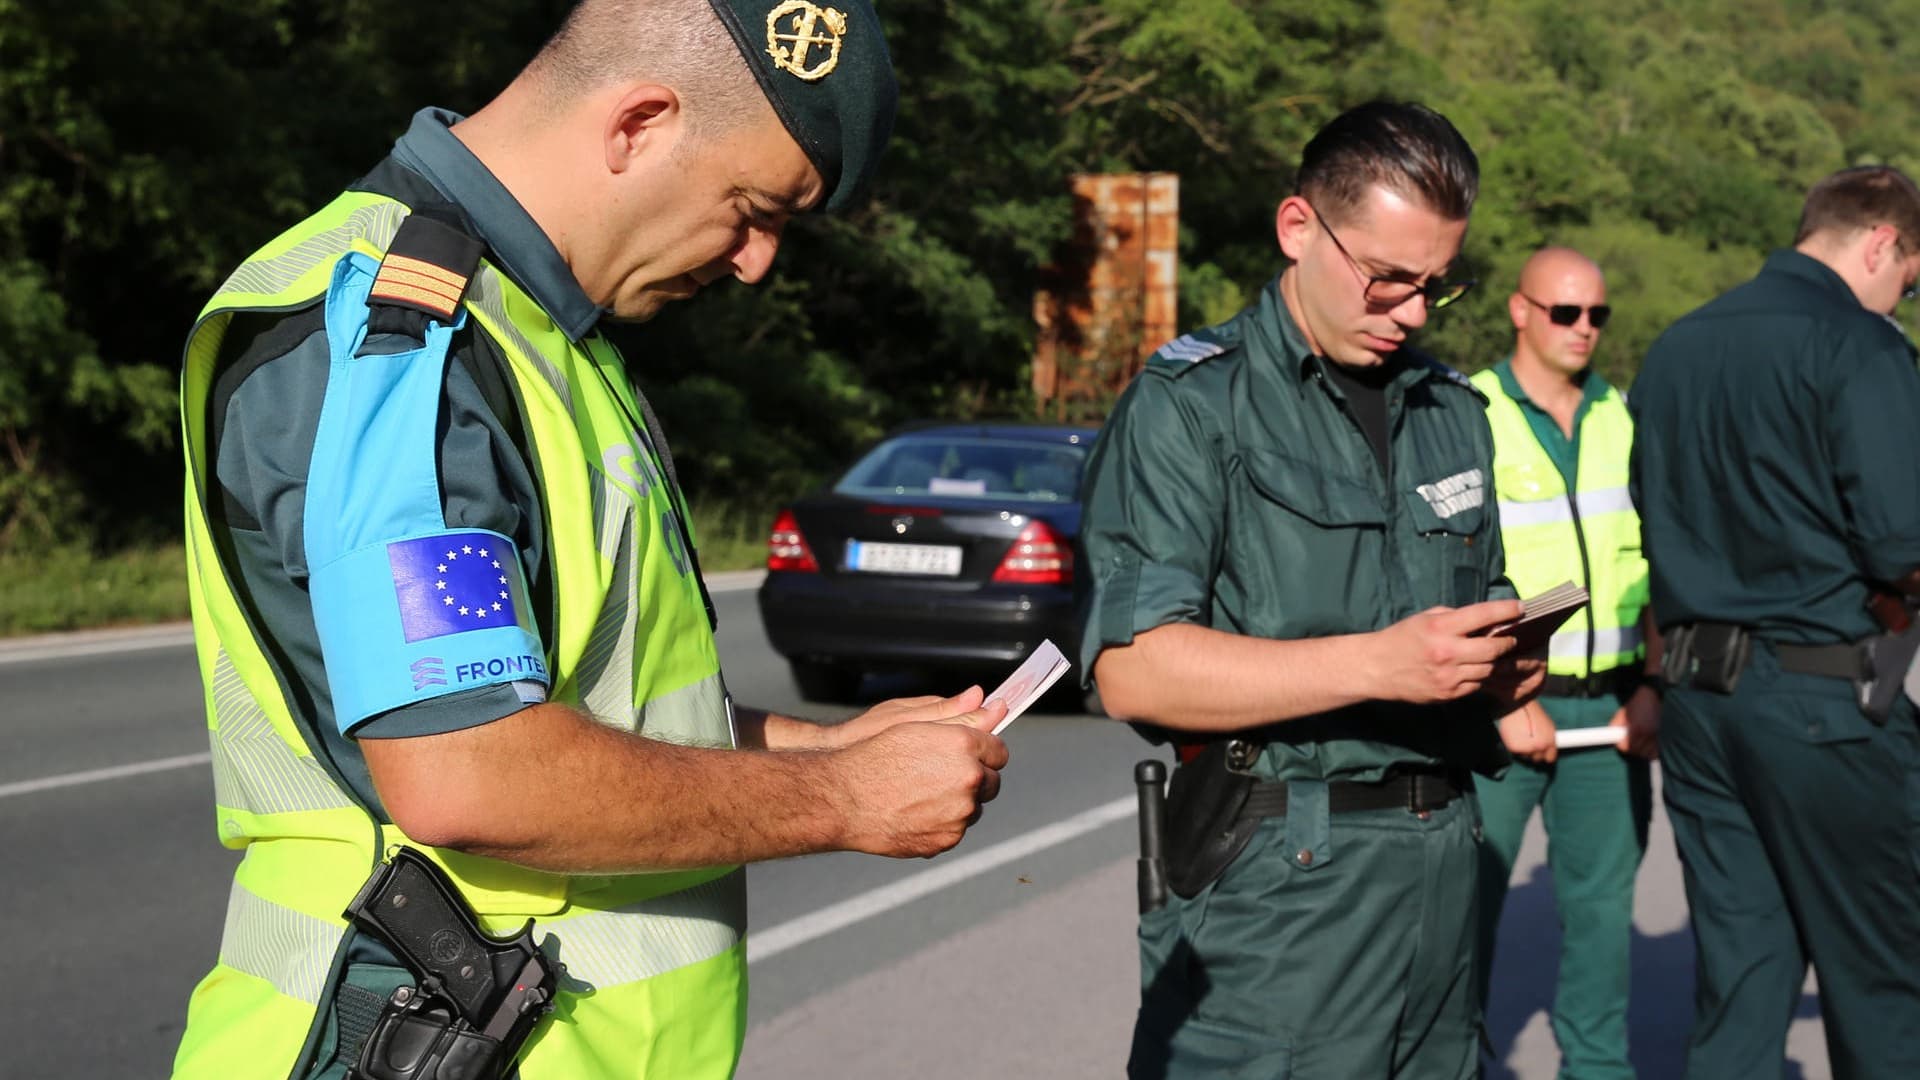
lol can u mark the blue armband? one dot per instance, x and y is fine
(407, 607)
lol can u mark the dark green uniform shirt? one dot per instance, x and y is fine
(1232, 488)
(1776, 462)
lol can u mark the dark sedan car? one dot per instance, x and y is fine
(948, 546)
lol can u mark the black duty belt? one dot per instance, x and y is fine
(1849, 661)
(1616, 682)
(1413, 792)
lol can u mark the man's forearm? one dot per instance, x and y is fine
(762, 729)
(551, 789)
(1194, 678)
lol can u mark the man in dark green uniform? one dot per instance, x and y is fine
(1289, 519)
(1777, 472)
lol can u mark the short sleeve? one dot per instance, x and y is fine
(1873, 434)
(1153, 519)
(408, 607)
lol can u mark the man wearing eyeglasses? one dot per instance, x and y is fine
(1561, 438)
(1292, 561)
(1777, 471)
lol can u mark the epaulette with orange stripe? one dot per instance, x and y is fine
(426, 268)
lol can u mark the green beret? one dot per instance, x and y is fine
(826, 71)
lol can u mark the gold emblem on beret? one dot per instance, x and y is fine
(804, 39)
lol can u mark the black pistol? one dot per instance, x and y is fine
(479, 997)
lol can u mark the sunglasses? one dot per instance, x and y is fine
(1390, 292)
(1568, 314)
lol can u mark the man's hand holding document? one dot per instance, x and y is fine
(1031, 679)
(1540, 615)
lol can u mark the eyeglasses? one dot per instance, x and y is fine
(1568, 314)
(1387, 291)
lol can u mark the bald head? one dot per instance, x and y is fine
(1553, 317)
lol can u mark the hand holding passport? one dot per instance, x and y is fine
(1541, 614)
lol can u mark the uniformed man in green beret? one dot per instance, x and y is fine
(446, 598)
(1776, 467)
(1293, 561)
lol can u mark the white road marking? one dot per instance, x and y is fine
(796, 932)
(735, 580)
(179, 635)
(95, 643)
(94, 776)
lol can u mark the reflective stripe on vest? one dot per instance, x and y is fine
(630, 645)
(1543, 530)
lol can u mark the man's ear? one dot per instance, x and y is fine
(1293, 225)
(646, 119)
(1882, 244)
(1519, 311)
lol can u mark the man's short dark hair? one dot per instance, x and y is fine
(1861, 198)
(1406, 148)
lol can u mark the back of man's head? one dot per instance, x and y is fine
(1406, 148)
(823, 70)
(1861, 198)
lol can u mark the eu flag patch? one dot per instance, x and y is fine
(454, 582)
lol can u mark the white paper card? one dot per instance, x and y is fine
(1576, 738)
(1032, 678)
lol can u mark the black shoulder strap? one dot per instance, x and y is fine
(427, 267)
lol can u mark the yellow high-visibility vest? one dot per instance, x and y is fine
(655, 963)
(1590, 536)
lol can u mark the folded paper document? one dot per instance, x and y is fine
(1031, 679)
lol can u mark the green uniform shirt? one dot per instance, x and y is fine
(1232, 489)
(1777, 460)
(1562, 450)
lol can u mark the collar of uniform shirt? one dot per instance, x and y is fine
(516, 242)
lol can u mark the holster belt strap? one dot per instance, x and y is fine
(1835, 661)
(1413, 792)
(1614, 682)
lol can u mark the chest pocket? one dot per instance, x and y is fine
(1308, 491)
(1448, 515)
(1306, 545)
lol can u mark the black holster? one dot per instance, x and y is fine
(1706, 656)
(1205, 828)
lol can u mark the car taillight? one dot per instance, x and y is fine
(1041, 556)
(786, 548)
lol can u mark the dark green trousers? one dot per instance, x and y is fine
(1356, 961)
(1595, 804)
(1798, 824)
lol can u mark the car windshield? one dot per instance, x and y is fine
(968, 467)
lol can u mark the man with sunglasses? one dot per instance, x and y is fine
(1777, 472)
(1561, 439)
(1290, 551)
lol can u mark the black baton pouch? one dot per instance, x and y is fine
(1720, 652)
(1706, 656)
(1204, 830)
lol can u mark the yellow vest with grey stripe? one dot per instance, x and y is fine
(655, 963)
(1590, 536)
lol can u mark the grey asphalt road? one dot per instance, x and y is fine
(1011, 956)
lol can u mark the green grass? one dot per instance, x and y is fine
(72, 588)
(731, 537)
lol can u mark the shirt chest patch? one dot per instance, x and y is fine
(1450, 495)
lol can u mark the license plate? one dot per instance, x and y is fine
(941, 560)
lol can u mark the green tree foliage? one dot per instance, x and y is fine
(146, 147)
